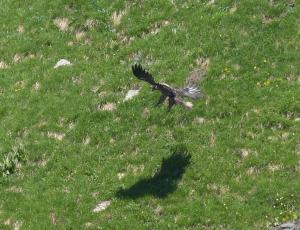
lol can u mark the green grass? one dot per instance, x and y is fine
(238, 168)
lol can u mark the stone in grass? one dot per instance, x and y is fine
(292, 225)
(131, 93)
(62, 62)
(102, 206)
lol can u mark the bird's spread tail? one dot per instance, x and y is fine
(190, 91)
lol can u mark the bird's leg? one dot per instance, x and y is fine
(161, 99)
(171, 103)
(178, 100)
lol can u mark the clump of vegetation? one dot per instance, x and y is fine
(11, 161)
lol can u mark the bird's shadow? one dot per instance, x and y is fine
(163, 182)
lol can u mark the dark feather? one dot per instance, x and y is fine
(142, 74)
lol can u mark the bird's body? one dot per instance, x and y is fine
(173, 94)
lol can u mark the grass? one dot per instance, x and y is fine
(233, 162)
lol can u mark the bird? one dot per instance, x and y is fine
(173, 94)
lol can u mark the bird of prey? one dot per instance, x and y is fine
(174, 95)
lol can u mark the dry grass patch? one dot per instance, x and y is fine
(211, 2)
(123, 38)
(135, 169)
(21, 29)
(244, 153)
(17, 58)
(156, 28)
(53, 218)
(13, 223)
(79, 35)
(107, 107)
(14, 189)
(62, 24)
(199, 71)
(56, 135)
(86, 140)
(3, 65)
(218, 189)
(90, 24)
(36, 86)
(43, 162)
(116, 17)
(146, 112)
(212, 140)
(121, 175)
(252, 171)
(233, 9)
(274, 167)
(199, 120)
(267, 19)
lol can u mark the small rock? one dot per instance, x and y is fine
(62, 62)
(292, 225)
(101, 206)
(131, 93)
(188, 105)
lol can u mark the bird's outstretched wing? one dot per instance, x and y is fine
(189, 91)
(142, 74)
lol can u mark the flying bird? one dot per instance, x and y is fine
(174, 95)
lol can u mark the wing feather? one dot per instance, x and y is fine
(142, 74)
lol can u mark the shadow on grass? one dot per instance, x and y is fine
(163, 182)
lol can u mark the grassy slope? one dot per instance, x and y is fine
(252, 101)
